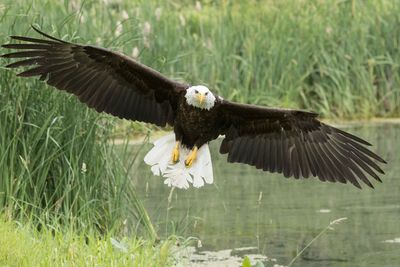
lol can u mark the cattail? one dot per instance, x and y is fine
(146, 28)
(125, 15)
(83, 168)
(135, 52)
(146, 42)
(198, 6)
(209, 44)
(158, 13)
(75, 6)
(118, 29)
(328, 30)
(82, 18)
(182, 20)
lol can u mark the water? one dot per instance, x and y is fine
(250, 212)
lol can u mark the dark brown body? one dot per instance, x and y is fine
(194, 126)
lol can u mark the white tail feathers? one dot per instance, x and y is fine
(178, 175)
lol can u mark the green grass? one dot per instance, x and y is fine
(23, 246)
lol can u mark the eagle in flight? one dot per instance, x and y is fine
(292, 142)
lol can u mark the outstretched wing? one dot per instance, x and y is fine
(105, 80)
(296, 144)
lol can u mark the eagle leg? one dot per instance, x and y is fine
(175, 153)
(192, 157)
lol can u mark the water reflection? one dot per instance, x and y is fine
(249, 208)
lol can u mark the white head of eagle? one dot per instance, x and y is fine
(200, 96)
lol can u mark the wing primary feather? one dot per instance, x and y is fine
(152, 111)
(329, 166)
(56, 77)
(349, 135)
(29, 53)
(43, 77)
(365, 167)
(93, 100)
(34, 71)
(32, 40)
(331, 172)
(120, 107)
(232, 156)
(358, 172)
(273, 154)
(87, 92)
(279, 154)
(62, 80)
(366, 151)
(26, 46)
(313, 164)
(48, 36)
(251, 151)
(224, 148)
(142, 109)
(294, 160)
(303, 163)
(241, 149)
(133, 105)
(105, 100)
(63, 71)
(307, 151)
(319, 164)
(368, 161)
(349, 145)
(354, 167)
(338, 168)
(127, 102)
(330, 160)
(71, 81)
(344, 158)
(285, 155)
(267, 154)
(261, 152)
(256, 150)
(25, 62)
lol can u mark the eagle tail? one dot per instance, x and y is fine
(178, 175)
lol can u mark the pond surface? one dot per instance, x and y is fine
(250, 212)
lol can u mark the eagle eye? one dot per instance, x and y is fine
(206, 93)
(196, 91)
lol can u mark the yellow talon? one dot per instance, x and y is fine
(192, 157)
(175, 153)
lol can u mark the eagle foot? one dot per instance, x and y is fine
(191, 158)
(175, 153)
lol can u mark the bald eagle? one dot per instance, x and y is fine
(292, 142)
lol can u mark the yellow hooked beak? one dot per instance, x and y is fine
(201, 98)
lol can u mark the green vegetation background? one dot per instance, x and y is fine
(58, 169)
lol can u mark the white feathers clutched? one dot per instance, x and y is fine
(193, 94)
(178, 175)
